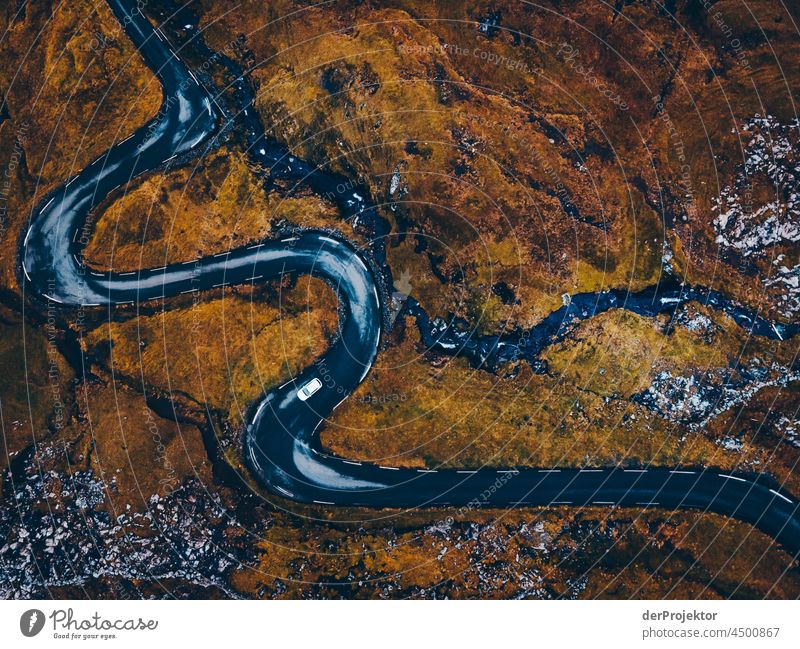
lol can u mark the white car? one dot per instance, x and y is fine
(309, 388)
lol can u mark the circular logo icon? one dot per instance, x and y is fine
(31, 622)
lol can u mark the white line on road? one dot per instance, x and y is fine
(779, 495)
(732, 477)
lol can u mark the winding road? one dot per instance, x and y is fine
(282, 442)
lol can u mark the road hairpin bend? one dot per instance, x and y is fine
(281, 441)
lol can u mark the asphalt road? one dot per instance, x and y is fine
(282, 442)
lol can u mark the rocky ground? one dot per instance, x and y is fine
(520, 154)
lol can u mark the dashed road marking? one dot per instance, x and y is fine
(731, 477)
(780, 495)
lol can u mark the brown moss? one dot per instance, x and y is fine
(224, 352)
(191, 212)
(590, 553)
(618, 353)
(132, 450)
(35, 385)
